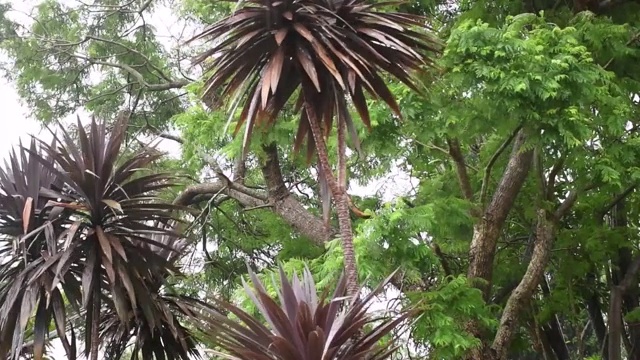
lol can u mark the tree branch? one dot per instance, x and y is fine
(213, 164)
(568, 203)
(168, 136)
(463, 177)
(487, 230)
(134, 51)
(285, 202)
(177, 84)
(545, 231)
(618, 199)
(553, 174)
(277, 198)
(491, 163)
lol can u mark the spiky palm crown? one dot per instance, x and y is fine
(300, 325)
(324, 50)
(165, 337)
(103, 241)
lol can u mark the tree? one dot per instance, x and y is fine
(303, 325)
(326, 51)
(86, 224)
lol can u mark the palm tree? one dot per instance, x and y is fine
(300, 324)
(167, 338)
(329, 53)
(91, 236)
(28, 245)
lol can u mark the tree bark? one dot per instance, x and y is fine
(281, 201)
(545, 232)
(340, 198)
(615, 310)
(487, 230)
(287, 206)
(595, 315)
(95, 319)
(624, 261)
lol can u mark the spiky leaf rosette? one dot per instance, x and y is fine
(327, 49)
(166, 339)
(301, 325)
(28, 248)
(115, 212)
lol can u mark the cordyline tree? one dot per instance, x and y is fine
(327, 53)
(83, 230)
(300, 325)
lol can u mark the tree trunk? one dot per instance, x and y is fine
(339, 195)
(553, 330)
(545, 231)
(615, 310)
(615, 324)
(485, 237)
(630, 296)
(595, 315)
(487, 231)
(95, 321)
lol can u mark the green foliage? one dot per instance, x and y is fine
(60, 64)
(446, 309)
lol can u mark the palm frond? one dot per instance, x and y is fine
(167, 338)
(29, 247)
(103, 242)
(323, 50)
(300, 325)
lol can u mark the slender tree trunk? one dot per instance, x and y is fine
(344, 216)
(630, 297)
(339, 194)
(615, 323)
(595, 315)
(615, 309)
(553, 329)
(541, 252)
(95, 322)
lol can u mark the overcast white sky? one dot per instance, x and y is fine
(14, 123)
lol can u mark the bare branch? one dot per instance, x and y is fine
(177, 84)
(239, 169)
(213, 163)
(571, 199)
(279, 201)
(487, 230)
(553, 174)
(257, 207)
(134, 51)
(175, 138)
